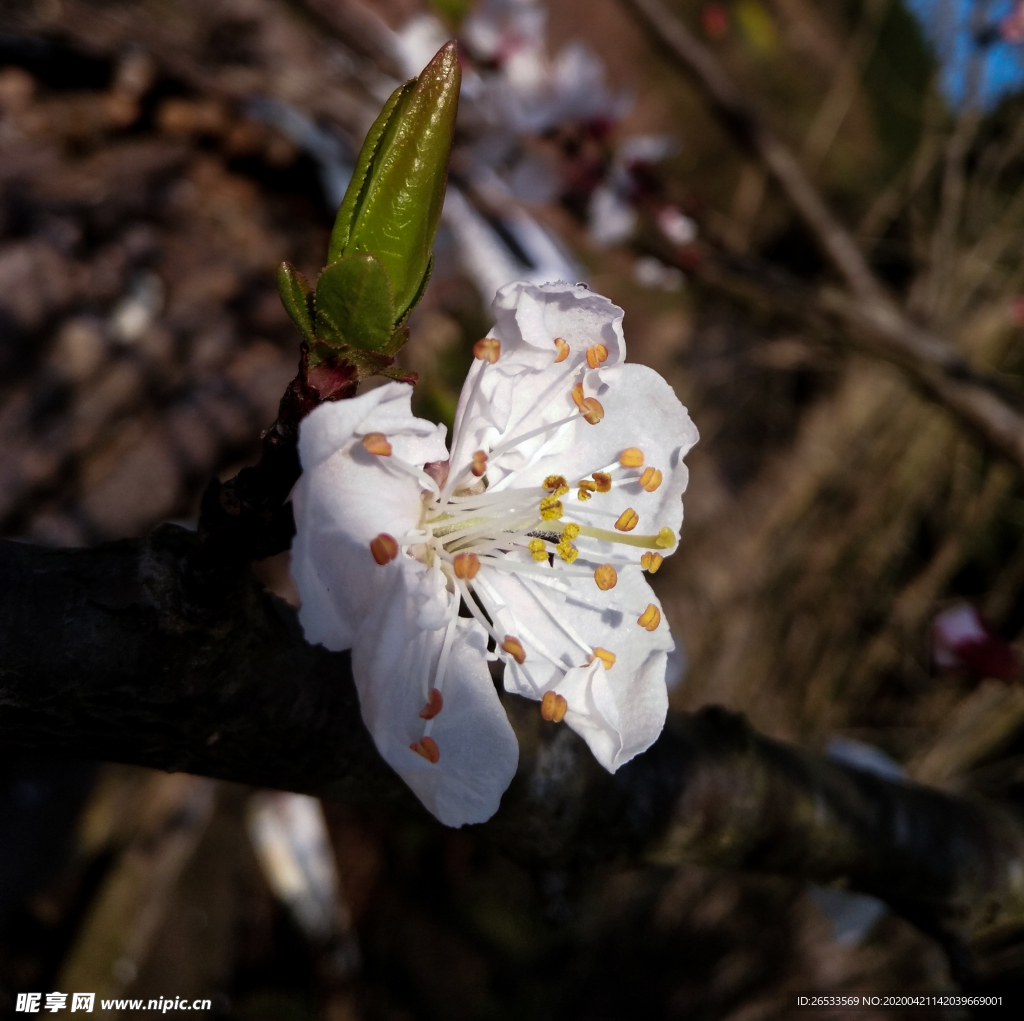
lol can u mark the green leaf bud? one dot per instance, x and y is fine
(393, 203)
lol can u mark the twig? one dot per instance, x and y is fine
(734, 111)
(975, 265)
(845, 84)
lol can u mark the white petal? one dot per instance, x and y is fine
(346, 497)
(526, 388)
(597, 704)
(528, 318)
(393, 664)
(619, 712)
(387, 410)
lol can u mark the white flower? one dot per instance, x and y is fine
(563, 486)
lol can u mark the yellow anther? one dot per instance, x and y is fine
(377, 443)
(514, 648)
(570, 531)
(650, 618)
(488, 349)
(435, 703)
(567, 551)
(577, 395)
(627, 520)
(427, 747)
(538, 550)
(563, 350)
(650, 479)
(553, 707)
(479, 466)
(592, 410)
(384, 548)
(596, 355)
(466, 566)
(666, 537)
(587, 489)
(606, 657)
(631, 457)
(606, 577)
(556, 482)
(604, 481)
(551, 508)
(651, 562)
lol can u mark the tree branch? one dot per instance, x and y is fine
(104, 654)
(934, 365)
(730, 107)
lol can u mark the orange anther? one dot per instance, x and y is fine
(466, 566)
(592, 410)
(479, 463)
(384, 548)
(435, 703)
(596, 355)
(427, 747)
(488, 349)
(651, 562)
(603, 480)
(650, 618)
(377, 443)
(577, 395)
(606, 577)
(553, 707)
(587, 489)
(631, 457)
(627, 520)
(514, 648)
(563, 350)
(607, 658)
(650, 479)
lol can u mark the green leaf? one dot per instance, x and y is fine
(393, 204)
(354, 304)
(297, 298)
(356, 191)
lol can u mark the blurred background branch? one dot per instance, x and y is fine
(868, 314)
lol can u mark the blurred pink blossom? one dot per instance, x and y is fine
(1011, 28)
(963, 640)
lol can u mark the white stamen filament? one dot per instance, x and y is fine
(442, 663)
(397, 466)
